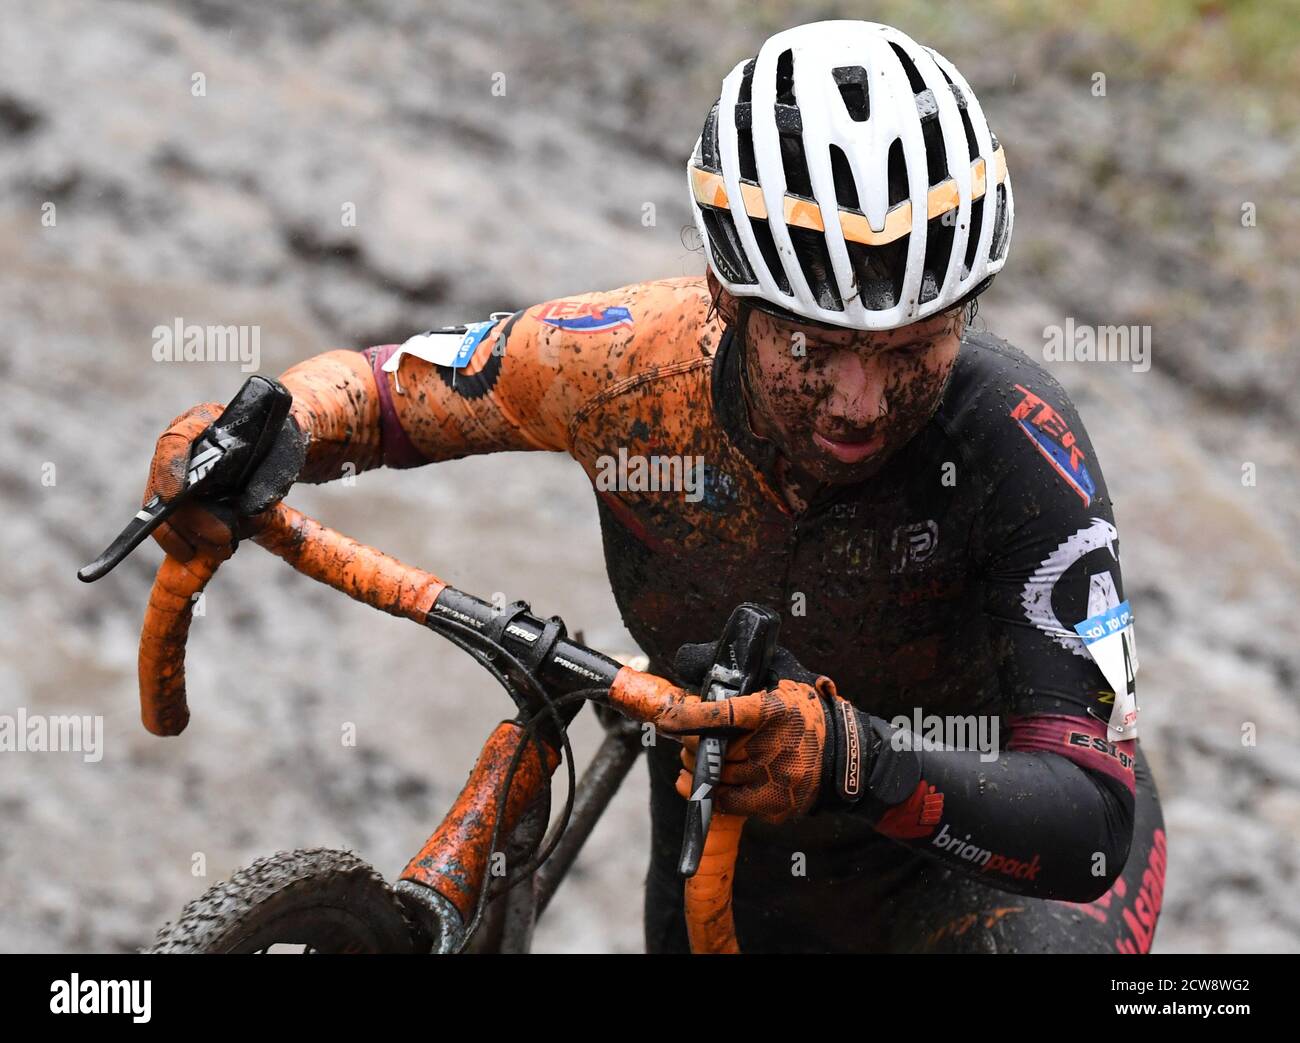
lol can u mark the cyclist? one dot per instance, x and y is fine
(813, 425)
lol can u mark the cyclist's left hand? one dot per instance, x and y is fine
(782, 753)
(775, 771)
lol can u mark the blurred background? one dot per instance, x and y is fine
(1169, 200)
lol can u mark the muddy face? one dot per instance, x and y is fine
(838, 402)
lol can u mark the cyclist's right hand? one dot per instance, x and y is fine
(196, 527)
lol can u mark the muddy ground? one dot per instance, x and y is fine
(225, 208)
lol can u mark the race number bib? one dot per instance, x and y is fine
(1108, 638)
(452, 349)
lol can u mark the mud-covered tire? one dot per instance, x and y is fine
(327, 901)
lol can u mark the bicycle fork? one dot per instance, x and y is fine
(441, 886)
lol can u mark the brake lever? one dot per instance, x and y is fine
(743, 658)
(221, 459)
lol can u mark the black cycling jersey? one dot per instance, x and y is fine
(947, 585)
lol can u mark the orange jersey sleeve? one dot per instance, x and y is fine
(537, 371)
(336, 403)
(530, 381)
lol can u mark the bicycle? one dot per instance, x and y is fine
(452, 896)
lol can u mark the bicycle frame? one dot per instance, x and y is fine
(537, 664)
(510, 918)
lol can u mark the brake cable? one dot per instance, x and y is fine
(485, 652)
(489, 890)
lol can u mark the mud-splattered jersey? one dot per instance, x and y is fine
(947, 586)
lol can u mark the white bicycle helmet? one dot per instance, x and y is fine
(847, 176)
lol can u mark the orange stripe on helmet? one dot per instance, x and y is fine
(710, 190)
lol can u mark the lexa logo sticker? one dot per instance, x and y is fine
(1108, 638)
(1052, 437)
(1057, 588)
(583, 318)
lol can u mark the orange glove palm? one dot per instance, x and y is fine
(779, 762)
(774, 772)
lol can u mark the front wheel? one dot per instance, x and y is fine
(314, 900)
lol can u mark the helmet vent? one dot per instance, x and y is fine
(938, 251)
(898, 190)
(846, 189)
(957, 92)
(879, 272)
(728, 251)
(999, 226)
(771, 258)
(709, 158)
(973, 240)
(744, 126)
(913, 76)
(789, 127)
(785, 79)
(746, 83)
(745, 148)
(972, 146)
(936, 154)
(852, 81)
(815, 260)
(795, 163)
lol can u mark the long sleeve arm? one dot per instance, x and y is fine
(527, 377)
(336, 402)
(1052, 816)
(1028, 820)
